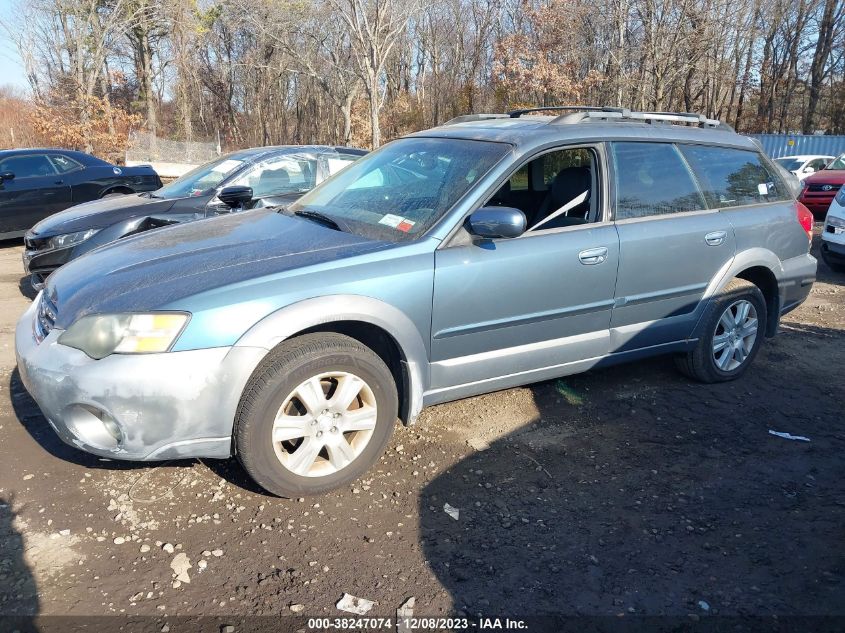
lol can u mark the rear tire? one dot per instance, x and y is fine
(315, 415)
(733, 330)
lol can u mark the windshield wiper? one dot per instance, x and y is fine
(319, 217)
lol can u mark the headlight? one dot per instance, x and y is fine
(832, 220)
(69, 239)
(103, 334)
(840, 196)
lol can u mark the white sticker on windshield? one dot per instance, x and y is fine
(763, 189)
(391, 220)
(226, 166)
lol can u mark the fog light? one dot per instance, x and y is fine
(94, 427)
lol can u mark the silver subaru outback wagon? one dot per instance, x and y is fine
(490, 252)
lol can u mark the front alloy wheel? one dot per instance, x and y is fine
(325, 424)
(315, 415)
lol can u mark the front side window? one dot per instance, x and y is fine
(733, 177)
(401, 190)
(652, 179)
(201, 180)
(559, 190)
(28, 166)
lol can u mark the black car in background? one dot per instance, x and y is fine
(36, 183)
(245, 179)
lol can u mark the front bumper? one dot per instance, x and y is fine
(44, 262)
(136, 407)
(833, 252)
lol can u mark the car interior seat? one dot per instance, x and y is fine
(567, 185)
(272, 181)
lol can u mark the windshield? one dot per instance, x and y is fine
(200, 180)
(839, 163)
(401, 190)
(790, 164)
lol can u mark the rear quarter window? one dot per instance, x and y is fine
(733, 177)
(652, 179)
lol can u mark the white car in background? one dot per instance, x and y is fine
(833, 234)
(804, 165)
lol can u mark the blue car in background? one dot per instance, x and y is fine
(491, 252)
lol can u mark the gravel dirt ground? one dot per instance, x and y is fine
(628, 490)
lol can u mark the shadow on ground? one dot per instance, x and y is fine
(636, 491)
(18, 590)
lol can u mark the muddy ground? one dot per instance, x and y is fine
(628, 490)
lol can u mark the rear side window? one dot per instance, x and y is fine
(652, 179)
(733, 177)
(64, 164)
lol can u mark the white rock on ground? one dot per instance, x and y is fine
(353, 604)
(180, 566)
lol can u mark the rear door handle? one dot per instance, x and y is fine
(593, 256)
(715, 238)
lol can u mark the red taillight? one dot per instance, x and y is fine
(805, 217)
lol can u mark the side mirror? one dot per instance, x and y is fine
(235, 197)
(490, 222)
(7, 175)
(809, 170)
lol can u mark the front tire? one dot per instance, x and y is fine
(315, 415)
(734, 329)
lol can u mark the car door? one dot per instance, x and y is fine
(511, 311)
(35, 192)
(671, 245)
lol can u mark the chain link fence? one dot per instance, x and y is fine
(143, 146)
(170, 158)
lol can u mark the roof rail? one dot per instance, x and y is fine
(578, 114)
(464, 118)
(624, 114)
(515, 114)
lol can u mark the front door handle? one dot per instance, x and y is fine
(715, 238)
(593, 256)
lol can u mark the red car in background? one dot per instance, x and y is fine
(819, 189)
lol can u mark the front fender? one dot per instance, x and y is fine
(290, 320)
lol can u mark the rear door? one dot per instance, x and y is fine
(671, 245)
(36, 191)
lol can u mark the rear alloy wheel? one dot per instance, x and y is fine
(736, 332)
(316, 414)
(733, 329)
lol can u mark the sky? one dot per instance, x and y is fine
(11, 66)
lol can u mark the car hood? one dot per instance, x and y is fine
(827, 176)
(99, 213)
(157, 268)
